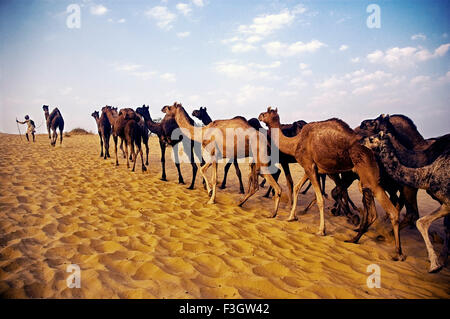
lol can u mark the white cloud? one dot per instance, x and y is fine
(253, 39)
(303, 66)
(183, 34)
(66, 91)
(242, 47)
(98, 10)
(355, 60)
(144, 76)
(266, 24)
(128, 67)
(163, 17)
(282, 49)
(248, 71)
(330, 83)
(343, 47)
(307, 73)
(250, 92)
(406, 56)
(364, 89)
(297, 82)
(121, 20)
(184, 8)
(170, 77)
(418, 36)
(198, 3)
(420, 79)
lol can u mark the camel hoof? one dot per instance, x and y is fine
(146, 163)
(436, 268)
(292, 219)
(321, 233)
(272, 216)
(222, 186)
(210, 202)
(352, 241)
(335, 212)
(241, 191)
(163, 179)
(398, 257)
(144, 169)
(182, 183)
(191, 187)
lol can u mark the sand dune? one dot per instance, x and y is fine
(134, 236)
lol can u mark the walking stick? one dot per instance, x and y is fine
(20, 134)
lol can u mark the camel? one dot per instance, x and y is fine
(54, 121)
(104, 132)
(203, 116)
(434, 178)
(332, 147)
(399, 125)
(144, 129)
(169, 128)
(125, 125)
(246, 141)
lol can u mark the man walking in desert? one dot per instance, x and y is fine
(31, 127)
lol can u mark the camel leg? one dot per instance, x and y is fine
(275, 176)
(384, 201)
(177, 163)
(193, 164)
(289, 181)
(212, 199)
(146, 149)
(252, 184)
(101, 144)
(423, 224)
(277, 190)
(446, 247)
(203, 170)
(323, 178)
(412, 210)
(115, 138)
(162, 146)
(126, 153)
(225, 174)
(133, 155)
(60, 136)
(307, 188)
(121, 147)
(295, 192)
(239, 176)
(313, 177)
(369, 214)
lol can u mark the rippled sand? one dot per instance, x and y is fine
(134, 236)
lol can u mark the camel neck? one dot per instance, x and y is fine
(111, 117)
(287, 145)
(185, 123)
(206, 119)
(414, 177)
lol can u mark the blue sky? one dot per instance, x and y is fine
(312, 59)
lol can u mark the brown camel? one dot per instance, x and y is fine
(245, 141)
(125, 125)
(144, 128)
(434, 178)
(331, 147)
(54, 121)
(104, 132)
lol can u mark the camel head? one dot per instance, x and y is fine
(200, 113)
(95, 115)
(45, 108)
(270, 117)
(170, 110)
(144, 111)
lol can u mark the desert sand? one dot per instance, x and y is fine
(134, 236)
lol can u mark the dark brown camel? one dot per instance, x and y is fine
(164, 130)
(54, 121)
(173, 137)
(331, 147)
(125, 125)
(104, 132)
(246, 141)
(434, 178)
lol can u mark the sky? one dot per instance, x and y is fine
(313, 60)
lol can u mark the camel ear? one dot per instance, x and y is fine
(276, 110)
(269, 108)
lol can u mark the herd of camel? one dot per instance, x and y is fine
(388, 156)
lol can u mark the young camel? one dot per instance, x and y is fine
(213, 139)
(331, 147)
(54, 121)
(434, 178)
